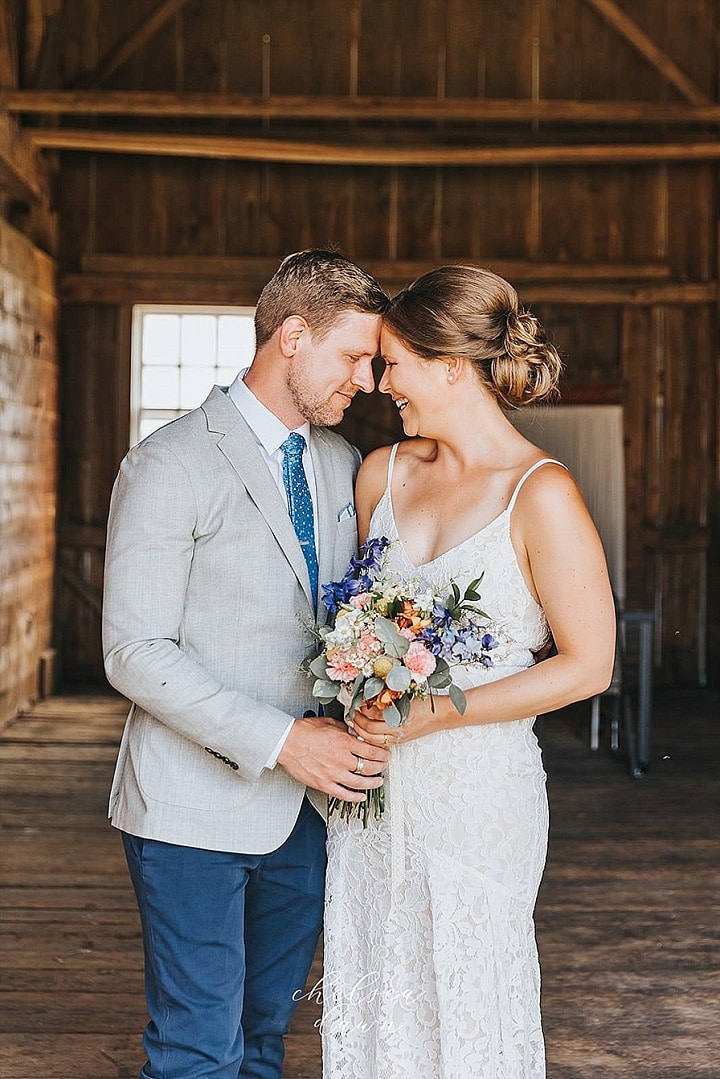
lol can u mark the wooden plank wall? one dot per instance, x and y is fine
(655, 351)
(28, 463)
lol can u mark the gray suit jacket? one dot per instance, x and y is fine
(206, 612)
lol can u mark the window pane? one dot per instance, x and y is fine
(161, 339)
(236, 341)
(179, 354)
(150, 423)
(195, 385)
(161, 387)
(225, 376)
(198, 343)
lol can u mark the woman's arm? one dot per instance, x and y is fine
(559, 548)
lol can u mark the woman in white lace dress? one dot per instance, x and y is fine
(431, 967)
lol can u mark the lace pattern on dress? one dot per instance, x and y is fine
(430, 955)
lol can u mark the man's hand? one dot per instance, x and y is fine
(322, 754)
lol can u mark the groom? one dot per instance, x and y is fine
(223, 525)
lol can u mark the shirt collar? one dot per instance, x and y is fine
(267, 428)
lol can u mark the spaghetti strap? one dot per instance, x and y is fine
(391, 464)
(521, 481)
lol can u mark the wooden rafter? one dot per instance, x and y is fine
(136, 286)
(235, 267)
(8, 49)
(20, 161)
(647, 48)
(321, 107)
(222, 147)
(129, 45)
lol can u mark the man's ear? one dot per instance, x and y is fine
(291, 331)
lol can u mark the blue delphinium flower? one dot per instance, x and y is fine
(357, 577)
(370, 554)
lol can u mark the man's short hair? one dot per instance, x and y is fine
(319, 285)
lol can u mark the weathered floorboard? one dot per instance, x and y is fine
(627, 919)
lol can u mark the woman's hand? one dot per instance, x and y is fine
(424, 718)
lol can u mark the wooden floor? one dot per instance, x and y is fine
(627, 920)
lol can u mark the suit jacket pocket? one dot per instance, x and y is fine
(175, 771)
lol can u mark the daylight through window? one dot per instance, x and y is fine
(179, 354)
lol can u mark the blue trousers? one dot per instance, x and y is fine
(229, 939)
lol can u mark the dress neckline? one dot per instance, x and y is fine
(456, 547)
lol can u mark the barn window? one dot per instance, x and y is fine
(179, 354)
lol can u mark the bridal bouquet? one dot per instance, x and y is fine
(389, 643)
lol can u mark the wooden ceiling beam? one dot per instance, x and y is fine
(153, 288)
(21, 167)
(130, 103)
(235, 267)
(646, 47)
(221, 147)
(128, 46)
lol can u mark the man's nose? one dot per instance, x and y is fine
(363, 376)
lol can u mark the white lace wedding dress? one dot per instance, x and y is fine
(431, 968)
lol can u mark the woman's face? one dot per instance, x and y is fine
(413, 382)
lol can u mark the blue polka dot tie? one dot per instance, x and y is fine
(300, 504)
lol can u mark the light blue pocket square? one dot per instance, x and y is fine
(346, 512)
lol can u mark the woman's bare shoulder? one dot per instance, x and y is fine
(374, 467)
(551, 496)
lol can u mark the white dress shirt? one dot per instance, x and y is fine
(270, 433)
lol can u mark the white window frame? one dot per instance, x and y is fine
(139, 311)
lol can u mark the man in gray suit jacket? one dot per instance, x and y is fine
(222, 526)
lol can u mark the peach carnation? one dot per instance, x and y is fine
(340, 670)
(419, 660)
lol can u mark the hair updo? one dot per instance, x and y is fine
(468, 312)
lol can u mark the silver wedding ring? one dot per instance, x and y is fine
(360, 765)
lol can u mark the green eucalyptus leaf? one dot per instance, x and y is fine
(458, 698)
(373, 686)
(399, 678)
(395, 645)
(403, 706)
(439, 681)
(356, 693)
(392, 716)
(319, 666)
(325, 691)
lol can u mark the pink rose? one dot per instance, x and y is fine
(360, 601)
(340, 670)
(419, 660)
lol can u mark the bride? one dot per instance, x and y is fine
(430, 956)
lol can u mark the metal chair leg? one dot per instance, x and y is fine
(595, 723)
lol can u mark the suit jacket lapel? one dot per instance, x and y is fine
(238, 444)
(328, 501)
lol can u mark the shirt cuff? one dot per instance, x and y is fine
(273, 758)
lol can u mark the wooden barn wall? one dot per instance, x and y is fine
(658, 355)
(28, 465)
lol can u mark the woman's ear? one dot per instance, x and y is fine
(454, 368)
(291, 331)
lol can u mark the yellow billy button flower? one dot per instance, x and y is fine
(382, 667)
